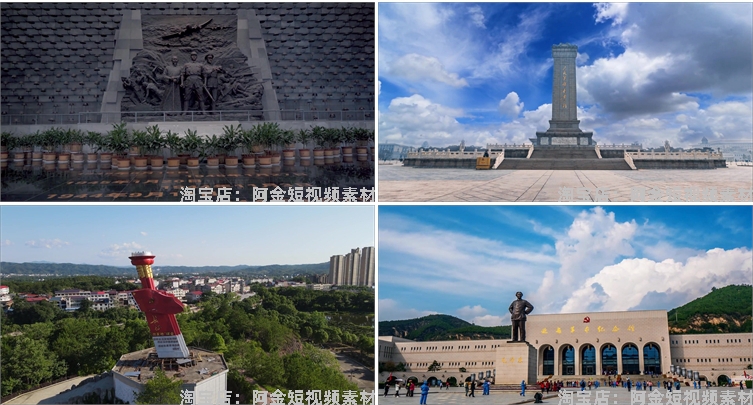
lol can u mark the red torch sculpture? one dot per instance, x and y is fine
(160, 309)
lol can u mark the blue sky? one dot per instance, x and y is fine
(468, 261)
(183, 236)
(647, 72)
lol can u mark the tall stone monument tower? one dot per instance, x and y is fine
(563, 127)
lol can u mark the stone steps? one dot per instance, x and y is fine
(563, 164)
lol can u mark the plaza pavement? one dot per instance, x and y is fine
(616, 396)
(404, 184)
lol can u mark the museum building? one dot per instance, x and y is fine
(583, 345)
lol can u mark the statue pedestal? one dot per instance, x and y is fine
(515, 362)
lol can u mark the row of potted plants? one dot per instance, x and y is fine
(264, 143)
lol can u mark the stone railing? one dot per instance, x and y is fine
(443, 154)
(620, 146)
(675, 155)
(496, 146)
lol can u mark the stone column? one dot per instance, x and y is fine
(598, 360)
(641, 363)
(619, 360)
(576, 357)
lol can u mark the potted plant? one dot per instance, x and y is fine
(228, 143)
(140, 142)
(155, 142)
(26, 145)
(249, 140)
(348, 138)
(269, 135)
(118, 142)
(94, 141)
(192, 143)
(304, 136)
(175, 143)
(75, 140)
(332, 142)
(8, 142)
(287, 140)
(208, 149)
(363, 136)
(49, 140)
(319, 134)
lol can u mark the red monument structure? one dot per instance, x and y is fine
(160, 308)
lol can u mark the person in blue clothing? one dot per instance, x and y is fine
(424, 393)
(486, 387)
(523, 388)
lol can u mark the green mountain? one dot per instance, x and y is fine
(441, 327)
(724, 310)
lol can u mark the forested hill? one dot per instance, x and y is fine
(441, 327)
(69, 269)
(723, 310)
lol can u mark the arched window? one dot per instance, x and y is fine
(651, 359)
(568, 360)
(548, 357)
(630, 363)
(588, 360)
(609, 360)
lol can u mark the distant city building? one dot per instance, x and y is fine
(355, 268)
(739, 151)
(391, 151)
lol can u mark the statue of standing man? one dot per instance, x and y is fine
(518, 311)
(172, 100)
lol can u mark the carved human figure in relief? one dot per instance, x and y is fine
(192, 81)
(518, 311)
(172, 77)
(211, 81)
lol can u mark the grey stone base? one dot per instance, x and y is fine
(679, 164)
(441, 163)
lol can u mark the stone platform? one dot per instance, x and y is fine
(564, 158)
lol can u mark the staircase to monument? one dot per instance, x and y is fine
(580, 158)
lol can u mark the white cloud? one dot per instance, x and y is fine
(511, 106)
(681, 282)
(477, 16)
(417, 67)
(594, 240)
(390, 309)
(120, 250)
(7, 242)
(413, 120)
(47, 243)
(143, 233)
(471, 311)
(490, 320)
(611, 11)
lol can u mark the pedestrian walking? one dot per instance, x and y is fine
(424, 393)
(473, 389)
(523, 388)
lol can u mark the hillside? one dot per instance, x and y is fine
(723, 310)
(69, 269)
(441, 327)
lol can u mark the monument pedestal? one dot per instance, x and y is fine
(515, 362)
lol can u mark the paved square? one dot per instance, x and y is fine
(400, 184)
(613, 396)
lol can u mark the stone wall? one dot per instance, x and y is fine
(56, 58)
(441, 163)
(679, 164)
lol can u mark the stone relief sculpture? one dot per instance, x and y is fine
(168, 75)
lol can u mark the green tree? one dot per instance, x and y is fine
(435, 366)
(217, 343)
(28, 362)
(160, 390)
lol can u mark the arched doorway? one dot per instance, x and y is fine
(568, 360)
(630, 361)
(651, 359)
(412, 378)
(432, 381)
(453, 381)
(609, 359)
(722, 381)
(548, 360)
(588, 360)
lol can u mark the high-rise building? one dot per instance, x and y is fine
(355, 268)
(366, 276)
